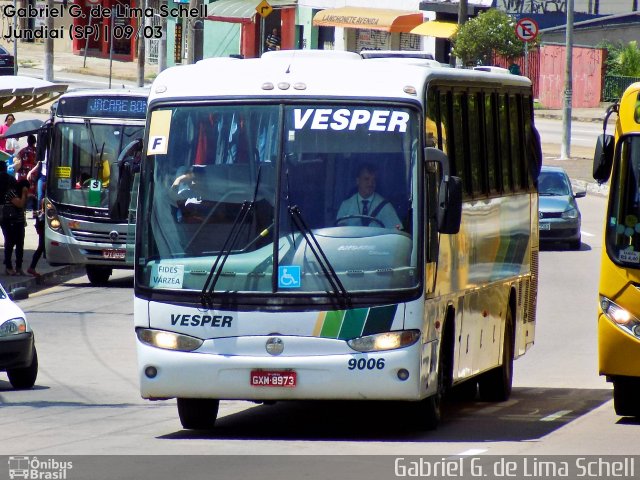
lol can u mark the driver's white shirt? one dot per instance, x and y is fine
(353, 206)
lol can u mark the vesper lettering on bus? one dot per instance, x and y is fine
(343, 118)
(201, 320)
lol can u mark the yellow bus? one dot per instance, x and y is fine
(618, 157)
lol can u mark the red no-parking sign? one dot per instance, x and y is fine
(527, 29)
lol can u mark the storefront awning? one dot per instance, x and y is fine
(368, 18)
(434, 28)
(240, 11)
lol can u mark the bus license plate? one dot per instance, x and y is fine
(261, 378)
(114, 254)
(545, 226)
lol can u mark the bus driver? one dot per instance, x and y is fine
(366, 207)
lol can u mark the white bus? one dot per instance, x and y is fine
(254, 278)
(87, 201)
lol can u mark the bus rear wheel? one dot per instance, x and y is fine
(496, 384)
(98, 275)
(626, 396)
(198, 413)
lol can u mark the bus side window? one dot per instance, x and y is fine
(505, 149)
(476, 150)
(460, 149)
(490, 142)
(516, 131)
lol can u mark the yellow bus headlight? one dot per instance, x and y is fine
(621, 317)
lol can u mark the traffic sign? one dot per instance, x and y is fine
(264, 9)
(527, 29)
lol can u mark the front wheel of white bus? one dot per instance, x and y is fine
(198, 413)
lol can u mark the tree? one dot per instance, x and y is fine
(490, 32)
(623, 59)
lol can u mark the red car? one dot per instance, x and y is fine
(6, 62)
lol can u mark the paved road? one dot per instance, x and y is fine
(87, 400)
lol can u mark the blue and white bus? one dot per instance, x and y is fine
(87, 201)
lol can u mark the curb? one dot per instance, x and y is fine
(45, 280)
(553, 116)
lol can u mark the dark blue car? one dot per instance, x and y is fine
(6, 62)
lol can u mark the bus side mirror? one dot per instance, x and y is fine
(121, 183)
(449, 209)
(603, 157)
(450, 205)
(44, 137)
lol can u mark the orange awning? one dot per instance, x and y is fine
(368, 18)
(436, 29)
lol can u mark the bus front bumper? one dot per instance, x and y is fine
(617, 350)
(369, 376)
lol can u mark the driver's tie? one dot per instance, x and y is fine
(365, 211)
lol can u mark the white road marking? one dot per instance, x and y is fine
(587, 234)
(554, 416)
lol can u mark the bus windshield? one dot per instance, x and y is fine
(280, 198)
(623, 225)
(82, 160)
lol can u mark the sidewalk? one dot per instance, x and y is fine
(31, 55)
(50, 275)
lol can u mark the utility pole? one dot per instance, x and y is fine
(141, 44)
(565, 150)
(194, 37)
(162, 46)
(462, 18)
(15, 40)
(48, 46)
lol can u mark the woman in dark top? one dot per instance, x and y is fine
(13, 224)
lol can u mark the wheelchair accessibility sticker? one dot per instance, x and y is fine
(289, 277)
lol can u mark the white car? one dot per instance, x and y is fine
(18, 355)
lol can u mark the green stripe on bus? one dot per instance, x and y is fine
(332, 324)
(353, 323)
(380, 319)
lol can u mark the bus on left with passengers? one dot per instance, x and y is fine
(89, 185)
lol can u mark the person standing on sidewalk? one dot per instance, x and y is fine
(40, 231)
(24, 163)
(272, 42)
(8, 121)
(13, 223)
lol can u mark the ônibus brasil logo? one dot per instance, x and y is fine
(35, 469)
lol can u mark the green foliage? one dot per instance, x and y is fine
(622, 60)
(491, 31)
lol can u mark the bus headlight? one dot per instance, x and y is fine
(13, 326)
(168, 340)
(52, 216)
(621, 317)
(385, 341)
(570, 214)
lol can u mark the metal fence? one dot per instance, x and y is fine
(615, 85)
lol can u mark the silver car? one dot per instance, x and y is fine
(559, 215)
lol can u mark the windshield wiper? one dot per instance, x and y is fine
(321, 257)
(227, 246)
(225, 251)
